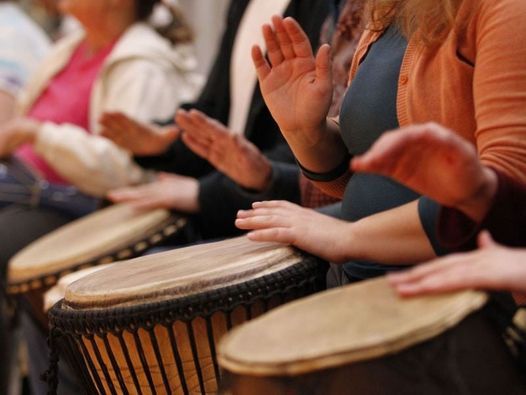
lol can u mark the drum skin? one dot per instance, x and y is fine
(153, 328)
(364, 339)
(468, 359)
(112, 234)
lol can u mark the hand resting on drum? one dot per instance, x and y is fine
(230, 153)
(304, 228)
(170, 191)
(139, 138)
(491, 267)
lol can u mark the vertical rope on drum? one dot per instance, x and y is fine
(102, 365)
(131, 367)
(94, 373)
(77, 357)
(157, 352)
(115, 365)
(195, 355)
(212, 345)
(51, 375)
(144, 363)
(177, 357)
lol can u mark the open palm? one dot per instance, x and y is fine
(296, 86)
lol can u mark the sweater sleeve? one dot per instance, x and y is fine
(217, 215)
(499, 86)
(505, 220)
(93, 163)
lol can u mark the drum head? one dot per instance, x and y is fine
(349, 324)
(97, 234)
(181, 272)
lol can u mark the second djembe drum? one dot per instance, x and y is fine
(151, 325)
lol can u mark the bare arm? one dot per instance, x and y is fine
(392, 237)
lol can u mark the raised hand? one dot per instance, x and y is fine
(297, 87)
(434, 162)
(288, 223)
(230, 153)
(169, 191)
(137, 137)
(492, 267)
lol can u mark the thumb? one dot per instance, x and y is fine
(323, 63)
(485, 240)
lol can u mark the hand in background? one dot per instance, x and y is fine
(297, 87)
(15, 133)
(435, 162)
(230, 153)
(169, 191)
(491, 267)
(138, 138)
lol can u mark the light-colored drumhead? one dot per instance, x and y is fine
(337, 327)
(82, 240)
(58, 291)
(181, 272)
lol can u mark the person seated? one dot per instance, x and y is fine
(473, 197)
(118, 62)
(398, 78)
(233, 101)
(22, 45)
(231, 153)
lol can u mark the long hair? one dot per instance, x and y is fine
(426, 20)
(177, 31)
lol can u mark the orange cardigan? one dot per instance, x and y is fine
(473, 83)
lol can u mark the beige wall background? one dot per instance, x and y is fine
(207, 19)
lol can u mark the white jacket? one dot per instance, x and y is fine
(144, 77)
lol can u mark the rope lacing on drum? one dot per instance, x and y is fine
(50, 376)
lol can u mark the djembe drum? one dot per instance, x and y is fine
(151, 325)
(363, 340)
(116, 233)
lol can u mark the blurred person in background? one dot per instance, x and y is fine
(117, 62)
(23, 44)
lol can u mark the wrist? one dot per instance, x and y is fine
(478, 204)
(263, 179)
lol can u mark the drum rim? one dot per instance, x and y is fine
(149, 238)
(89, 321)
(474, 302)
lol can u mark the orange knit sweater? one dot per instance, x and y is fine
(473, 83)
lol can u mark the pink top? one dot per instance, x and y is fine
(65, 100)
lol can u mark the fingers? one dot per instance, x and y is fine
(124, 195)
(424, 270)
(275, 55)
(279, 235)
(285, 43)
(262, 67)
(323, 63)
(300, 42)
(485, 240)
(199, 147)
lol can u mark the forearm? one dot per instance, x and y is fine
(394, 236)
(91, 163)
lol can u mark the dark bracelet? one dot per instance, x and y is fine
(330, 175)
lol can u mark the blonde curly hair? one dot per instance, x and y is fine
(427, 20)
